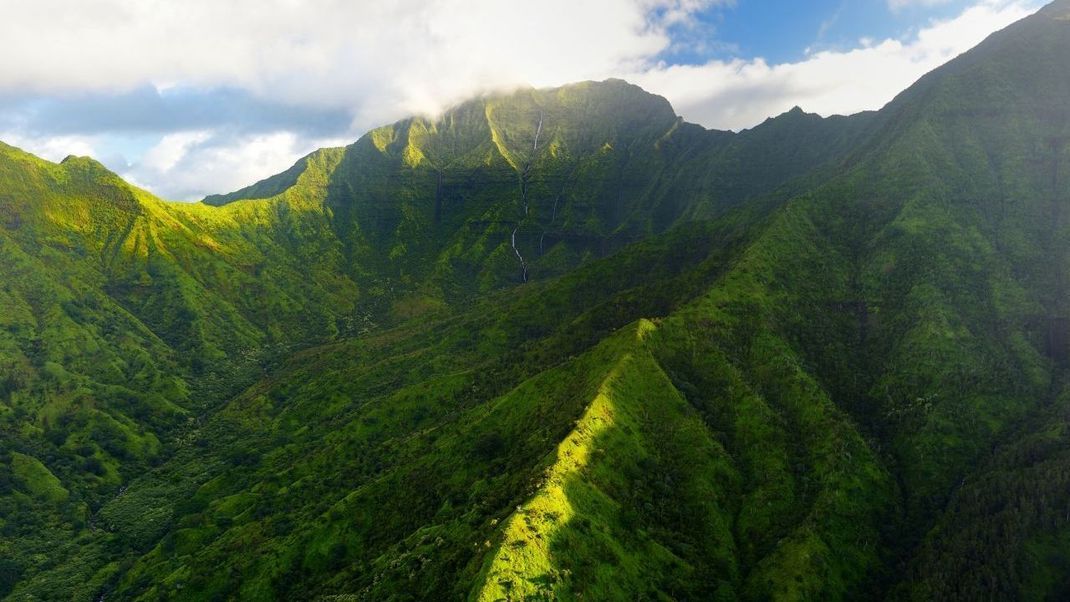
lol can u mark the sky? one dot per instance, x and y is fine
(192, 97)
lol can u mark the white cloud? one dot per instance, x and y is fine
(380, 58)
(185, 165)
(896, 5)
(171, 149)
(188, 165)
(379, 61)
(741, 93)
(53, 148)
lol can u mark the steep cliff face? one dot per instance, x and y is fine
(508, 188)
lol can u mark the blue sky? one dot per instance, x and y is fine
(190, 97)
(784, 31)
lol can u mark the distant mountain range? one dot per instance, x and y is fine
(560, 344)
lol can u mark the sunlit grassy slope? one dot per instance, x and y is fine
(822, 359)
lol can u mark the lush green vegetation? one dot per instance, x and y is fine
(560, 344)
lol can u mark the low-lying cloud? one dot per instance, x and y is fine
(200, 96)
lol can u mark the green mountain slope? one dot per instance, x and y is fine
(124, 318)
(131, 319)
(559, 344)
(505, 189)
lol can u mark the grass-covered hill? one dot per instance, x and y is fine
(559, 344)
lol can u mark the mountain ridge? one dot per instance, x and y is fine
(277, 183)
(820, 359)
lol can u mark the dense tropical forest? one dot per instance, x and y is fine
(560, 344)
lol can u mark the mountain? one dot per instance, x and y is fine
(560, 344)
(504, 189)
(132, 320)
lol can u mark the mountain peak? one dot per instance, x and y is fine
(1057, 9)
(793, 115)
(575, 119)
(84, 162)
(590, 102)
(324, 158)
